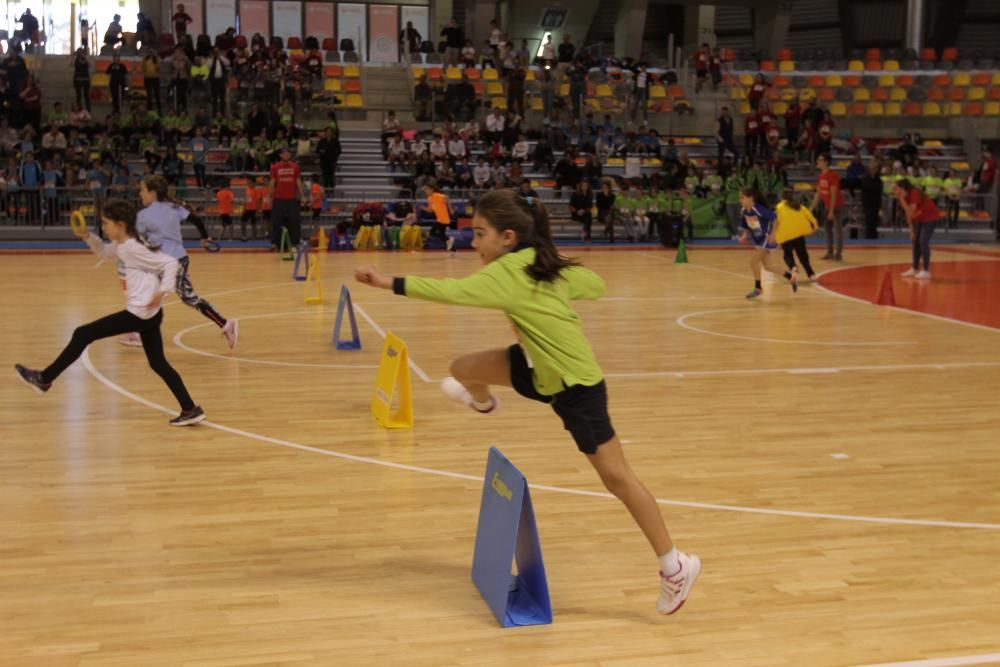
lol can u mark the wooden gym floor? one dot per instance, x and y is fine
(834, 463)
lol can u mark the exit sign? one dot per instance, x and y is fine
(553, 17)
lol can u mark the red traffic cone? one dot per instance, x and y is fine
(885, 294)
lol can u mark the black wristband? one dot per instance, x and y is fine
(399, 286)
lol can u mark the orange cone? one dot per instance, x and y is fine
(885, 294)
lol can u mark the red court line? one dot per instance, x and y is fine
(966, 291)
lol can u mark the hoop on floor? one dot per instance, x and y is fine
(211, 246)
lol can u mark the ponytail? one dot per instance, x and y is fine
(529, 220)
(158, 185)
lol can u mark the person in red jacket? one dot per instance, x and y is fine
(701, 60)
(757, 90)
(922, 216)
(829, 192)
(793, 121)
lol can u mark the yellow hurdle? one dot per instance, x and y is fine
(393, 381)
(312, 277)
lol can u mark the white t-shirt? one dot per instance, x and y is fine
(456, 148)
(146, 273)
(494, 123)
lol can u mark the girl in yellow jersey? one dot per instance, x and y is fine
(526, 278)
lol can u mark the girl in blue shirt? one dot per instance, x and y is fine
(758, 226)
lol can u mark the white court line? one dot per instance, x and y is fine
(682, 322)
(808, 371)
(416, 369)
(557, 489)
(954, 661)
(266, 362)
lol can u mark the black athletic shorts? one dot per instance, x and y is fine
(583, 409)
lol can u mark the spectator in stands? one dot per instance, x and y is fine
(752, 131)
(81, 77)
(151, 79)
(181, 20)
(548, 86)
(409, 40)
(422, 100)
(953, 197)
(31, 104)
(180, 78)
(457, 148)
(29, 27)
(871, 198)
(987, 172)
(793, 121)
(640, 91)
(715, 68)
(580, 205)
(199, 156)
(328, 150)
(80, 118)
(481, 174)
(757, 90)
(496, 37)
(54, 143)
(829, 193)
(724, 134)
(30, 179)
(145, 32)
(548, 52)
(824, 134)
(701, 62)
(113, 35)
(396, 152)
(566, 173)
(543, 156)
(454, 39)
(856, 171)
(807, 142)
(495, 124)
(577, 85)
(566, 55)
(515, 90)
(812, 113)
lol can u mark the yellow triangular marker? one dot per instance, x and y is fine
(312, 276)
(393, 380)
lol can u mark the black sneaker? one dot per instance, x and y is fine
(32, 378)
(189, 417)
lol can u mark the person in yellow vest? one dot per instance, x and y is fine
(952, 185)
(795, 223)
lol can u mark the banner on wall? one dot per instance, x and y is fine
(255, 16)
(192, 9)
(419, 17)
(319, 20)
(383, 33)
(220, 15)
(351, 25)
(287, 18)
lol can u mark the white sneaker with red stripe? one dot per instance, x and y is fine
(674, 588)
(456, 391)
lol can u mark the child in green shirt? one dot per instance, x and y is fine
(526, 278)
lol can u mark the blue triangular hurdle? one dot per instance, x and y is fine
(507, 531)
(345, 304)
(301, 259)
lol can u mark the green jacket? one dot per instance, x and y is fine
(546, 325)
(733, 186)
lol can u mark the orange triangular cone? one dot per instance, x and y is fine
(885, 295)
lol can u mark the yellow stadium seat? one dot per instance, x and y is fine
(746, 80)
(352, 71)
(891, 65)
(779, 108)
(862, 95)
(838, 109)
(530, 75)
(418, 72)
(977, 94)
(738, 93)
(100, 80)
(807, 94)
(993, 108)
(331, 85)
(453, 74)
(961, 79)
(789, 94)
(355, 101)
(834, 81)
(494, 88)
(536, 104)
(960, 165)
(655, 92)
(744, 108)
(786, 66)
(952, 109)
(490, 74)
(604, 90)
(886, 80)
(593, 104)
(875, 109)
(893, 109)
(856, 66)
(616, 162)
(897, 94)
(932, 109)
(499, 103)
(563, 89)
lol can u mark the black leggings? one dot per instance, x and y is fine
(114, 325)
(798, 246)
